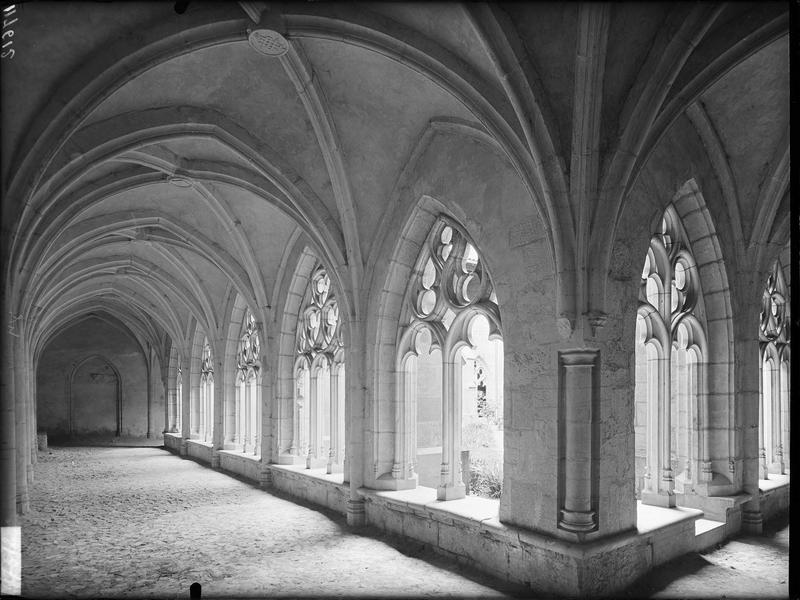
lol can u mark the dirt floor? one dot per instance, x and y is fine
(133, 522)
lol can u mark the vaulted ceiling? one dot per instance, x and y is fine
(155, 163)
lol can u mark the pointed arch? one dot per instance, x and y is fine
(683, 341)
(118, 393)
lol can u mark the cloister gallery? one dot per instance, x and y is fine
(512, 280)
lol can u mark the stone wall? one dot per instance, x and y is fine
(92, 381)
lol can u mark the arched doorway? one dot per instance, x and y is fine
(95, 398)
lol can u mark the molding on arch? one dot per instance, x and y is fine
(773, 189)
(266, 176)
(102, 314)
(719, 160)
(293, 288)
(640, 110)
(696, 221)
(403, 209)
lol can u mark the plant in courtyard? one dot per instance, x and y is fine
(486, 478)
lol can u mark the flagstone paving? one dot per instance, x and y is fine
(139, 522)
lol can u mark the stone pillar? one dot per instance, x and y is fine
(149, 358)
(762, 448)
(777, 442)
(313, 414)
(21, 413)
(661, 490)
(218, 408)
(451, 486)
(577, 415)
(354, 421)
(405, 427)
(334, 419)
(186, 407)
(8, 446)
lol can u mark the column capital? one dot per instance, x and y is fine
(579, 356)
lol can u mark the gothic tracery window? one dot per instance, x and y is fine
(246, 435)
(670, 352)
(450, 368)
(205, 430)
(774, 345)
(319, 378)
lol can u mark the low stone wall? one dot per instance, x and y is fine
(172, 442)
(248, 467)
(312, 486)
(199, 450)
(547, 565)
(774, 500)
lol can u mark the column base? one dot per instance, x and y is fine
(752, 521)
(23, 504)
(577, 521)
(663, 499)
(451, 492)
(356, 513)
(265, 477)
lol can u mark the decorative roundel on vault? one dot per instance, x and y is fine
(268, 42)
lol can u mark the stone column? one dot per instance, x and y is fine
(8, 445)
(313, 415)
(186, 407)
(354, 415)
(661, 491)
(577, 416)
(451, 486)
(217, 404)
(149, 359)
(267, 428)
(404, 426)
(21, 413)
(334, 418)
(762, 450)
(777, 442)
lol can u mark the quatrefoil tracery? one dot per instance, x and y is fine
(773, 308)
(319, 331)
(206, 364)
(451, 277)
(247, 357)
(670, 281)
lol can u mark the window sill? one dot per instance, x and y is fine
(319, 473)
(649, 518)
(200, 443)
(471, 508)
(774, 481)
(240, 454)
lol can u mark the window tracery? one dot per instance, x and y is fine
(247, 409)
(774, 344)
(206, 421)
(450, 369)
(319, 377)
(670, 352)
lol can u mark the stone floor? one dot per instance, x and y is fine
(126, 522)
